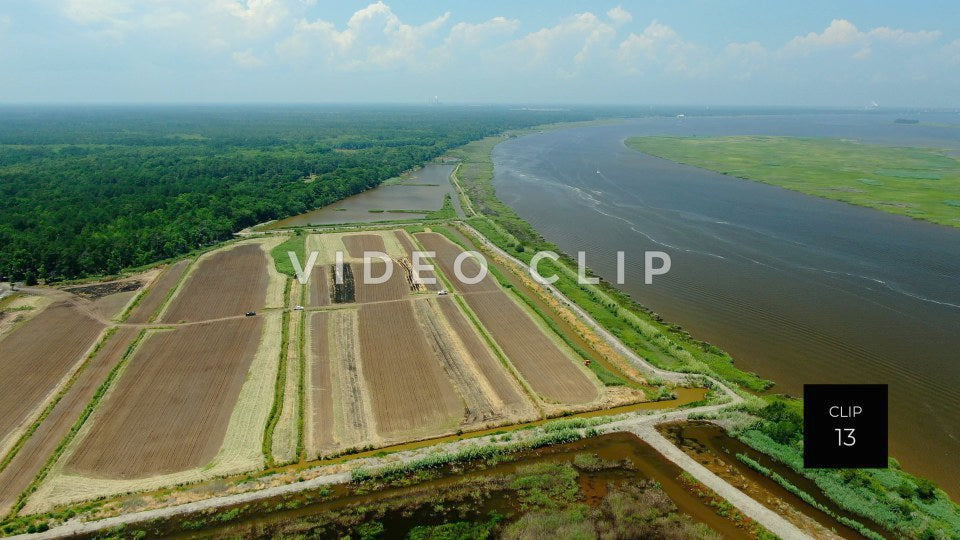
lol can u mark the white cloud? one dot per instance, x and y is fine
(96, 11)
(247, 59)
(619, 15)
(476, 34)
(574, 40)
(843, 33)
(902, 37)
(374, 37)
(951, 52)
(612, 48)
(255, 15)
(660, 47)
(840, 32)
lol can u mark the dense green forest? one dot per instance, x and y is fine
(93, 190)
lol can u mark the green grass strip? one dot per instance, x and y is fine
(281, 256)
(301, 343)
(279, 386)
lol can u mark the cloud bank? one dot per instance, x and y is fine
(279, 48)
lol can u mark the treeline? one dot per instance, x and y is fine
(90, 191)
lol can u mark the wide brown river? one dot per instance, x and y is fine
(797, 288)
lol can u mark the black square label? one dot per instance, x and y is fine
(845, 426)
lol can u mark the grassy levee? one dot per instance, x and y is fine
(447, 211)
(922, 183)
(281, 256)
(901, 503)
(281, 383)
(666, 346)
(87, 411)
(469, 453)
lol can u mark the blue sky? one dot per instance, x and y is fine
(661, 52)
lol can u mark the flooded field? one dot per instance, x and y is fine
(404, 197)
(590, 485)
(796, 288)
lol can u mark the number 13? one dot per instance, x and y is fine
(845, 437)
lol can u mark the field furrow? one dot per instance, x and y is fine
(36, 357)
(158, 292)
(410, 393)
(227, 283)
(481, 402)
(408, 247)
(320, 423)
(170, 409)
(34, 453)
(550, 371)
(353, 414)
(357, 244)
(508, 390)
(395, 288)
(320, 286)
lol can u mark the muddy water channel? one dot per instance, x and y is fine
(710, 445)
(405, 197)
(613, 482)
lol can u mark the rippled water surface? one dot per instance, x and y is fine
(797, 288)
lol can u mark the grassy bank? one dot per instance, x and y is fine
(281, 255)
(904, 504)
(922, 183)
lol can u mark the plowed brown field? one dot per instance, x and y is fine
(226, 284)
(551, 373)
(36, 357)
(111, 306)
(480, 401)
(395, 288)
(358, 243)
(447, 253)
(320, 286)
(170, 409)
(157, 293)
(506, 387)
(35, 452)
(321, 382)
(409, 390)
(354, 424)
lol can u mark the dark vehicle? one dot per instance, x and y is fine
(251, 314)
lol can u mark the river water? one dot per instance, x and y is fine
(797, 288)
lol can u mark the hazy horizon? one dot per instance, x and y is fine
(816, 55)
